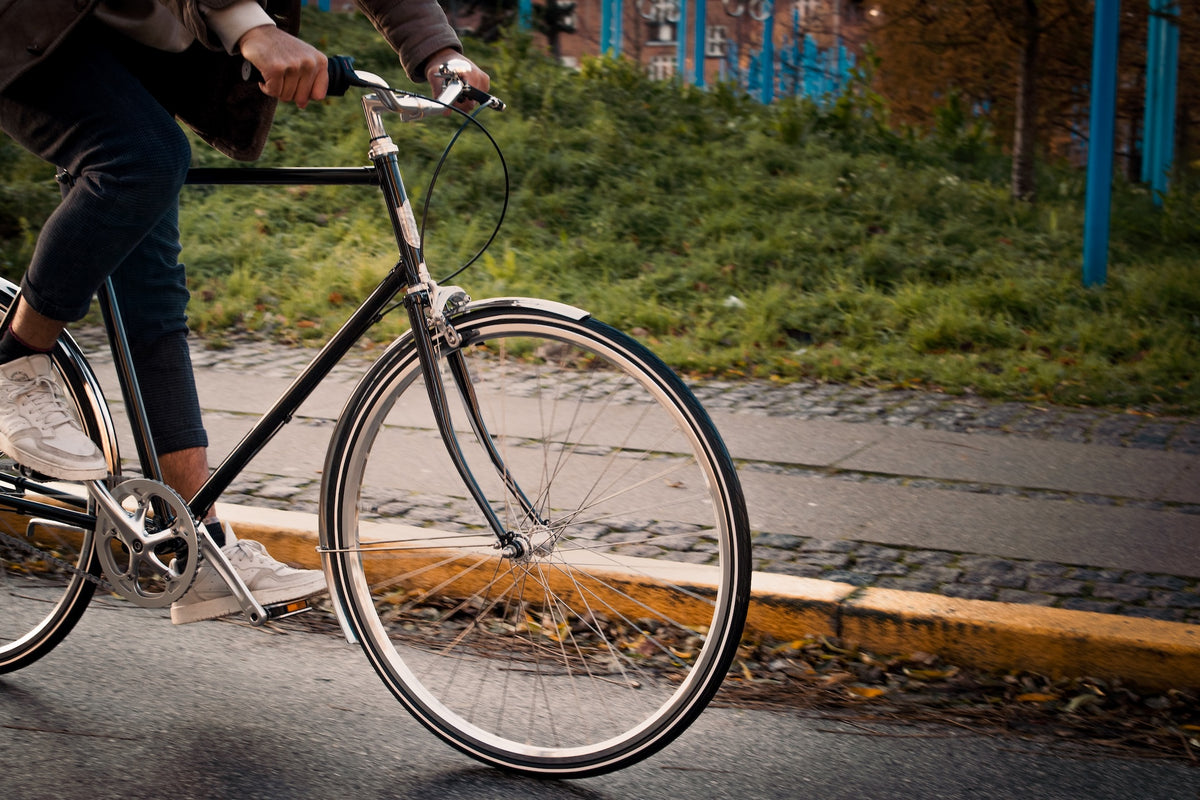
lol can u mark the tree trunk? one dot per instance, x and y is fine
(1024, 181)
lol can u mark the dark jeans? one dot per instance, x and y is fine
(85, 111)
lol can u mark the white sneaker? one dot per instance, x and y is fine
(38, 429)
(268, 580)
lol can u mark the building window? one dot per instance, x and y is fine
(806, 10)
(567, 21)
(661, 18)
(661, 67)
(716, 38)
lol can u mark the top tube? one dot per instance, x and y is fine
(283, 176)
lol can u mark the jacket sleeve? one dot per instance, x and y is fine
(192, 13)
(416, 29)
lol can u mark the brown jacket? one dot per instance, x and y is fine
(206, 89)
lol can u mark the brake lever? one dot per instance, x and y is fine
(457, 88)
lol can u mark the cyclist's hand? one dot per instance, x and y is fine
(292, 70)
(463, 66)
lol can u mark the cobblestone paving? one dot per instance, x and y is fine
(1072, 586)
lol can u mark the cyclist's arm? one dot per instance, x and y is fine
(416, 29)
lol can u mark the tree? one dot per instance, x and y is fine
(992, 53)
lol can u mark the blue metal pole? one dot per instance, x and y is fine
(1150, 115)
(1100, 143)
(618, 34)
(1169, 62)
(700, 44)
(525, 14)
(681, 40)
(605, 26)
(610, 27)
(768, 55)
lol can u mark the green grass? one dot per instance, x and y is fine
(785, 242)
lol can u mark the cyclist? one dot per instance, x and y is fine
(94, 87)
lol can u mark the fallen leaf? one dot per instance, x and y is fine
(1080, 701)
(1036, 697)
(931, 674)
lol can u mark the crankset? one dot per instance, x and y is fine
(146, 541)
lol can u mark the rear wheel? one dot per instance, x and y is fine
(607, 623)
(45, 567)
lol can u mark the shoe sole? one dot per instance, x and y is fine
(182, 614)
(50, 469)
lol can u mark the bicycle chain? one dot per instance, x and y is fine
(58, 562)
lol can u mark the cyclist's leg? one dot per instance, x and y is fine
(85, 112)
(150, 286)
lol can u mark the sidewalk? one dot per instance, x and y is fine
(954, 514)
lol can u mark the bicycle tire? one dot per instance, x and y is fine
(40, 600)
(610, 634)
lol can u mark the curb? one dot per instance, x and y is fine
(1057, 642)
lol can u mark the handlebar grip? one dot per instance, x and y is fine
(483, 98)
(341, 75)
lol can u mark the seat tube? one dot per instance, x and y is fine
(127, 377)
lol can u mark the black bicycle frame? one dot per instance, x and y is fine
(402, 277)
(405, 277)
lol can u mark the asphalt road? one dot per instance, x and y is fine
(131, 707)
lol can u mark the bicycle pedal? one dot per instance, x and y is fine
(291, 609)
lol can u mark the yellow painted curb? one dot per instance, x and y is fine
(976, 633)
(1053, 641)
(786, 607)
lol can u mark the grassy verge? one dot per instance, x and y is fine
(783, 242)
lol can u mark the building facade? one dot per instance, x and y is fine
(767, 46)
(733, 31)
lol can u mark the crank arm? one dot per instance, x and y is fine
(254, 611)
(133, 532)
(120, 518)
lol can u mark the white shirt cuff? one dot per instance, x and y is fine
(232, 22)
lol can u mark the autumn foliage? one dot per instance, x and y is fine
(1023, 68)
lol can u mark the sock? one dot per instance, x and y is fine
(216, 530)
(12, 348)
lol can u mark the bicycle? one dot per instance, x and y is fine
(557, 588)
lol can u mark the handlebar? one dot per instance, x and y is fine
(343, 76)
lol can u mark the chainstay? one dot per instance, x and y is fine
(21, 544)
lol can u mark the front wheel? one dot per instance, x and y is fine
(609, 620)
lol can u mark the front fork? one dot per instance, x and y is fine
(427, 305)
(434, 334)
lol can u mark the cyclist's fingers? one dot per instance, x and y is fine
(292, 70)
(286, 87)
(299, 84)
(312, 79)
(321, 85)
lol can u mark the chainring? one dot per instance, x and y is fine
(150, 556)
